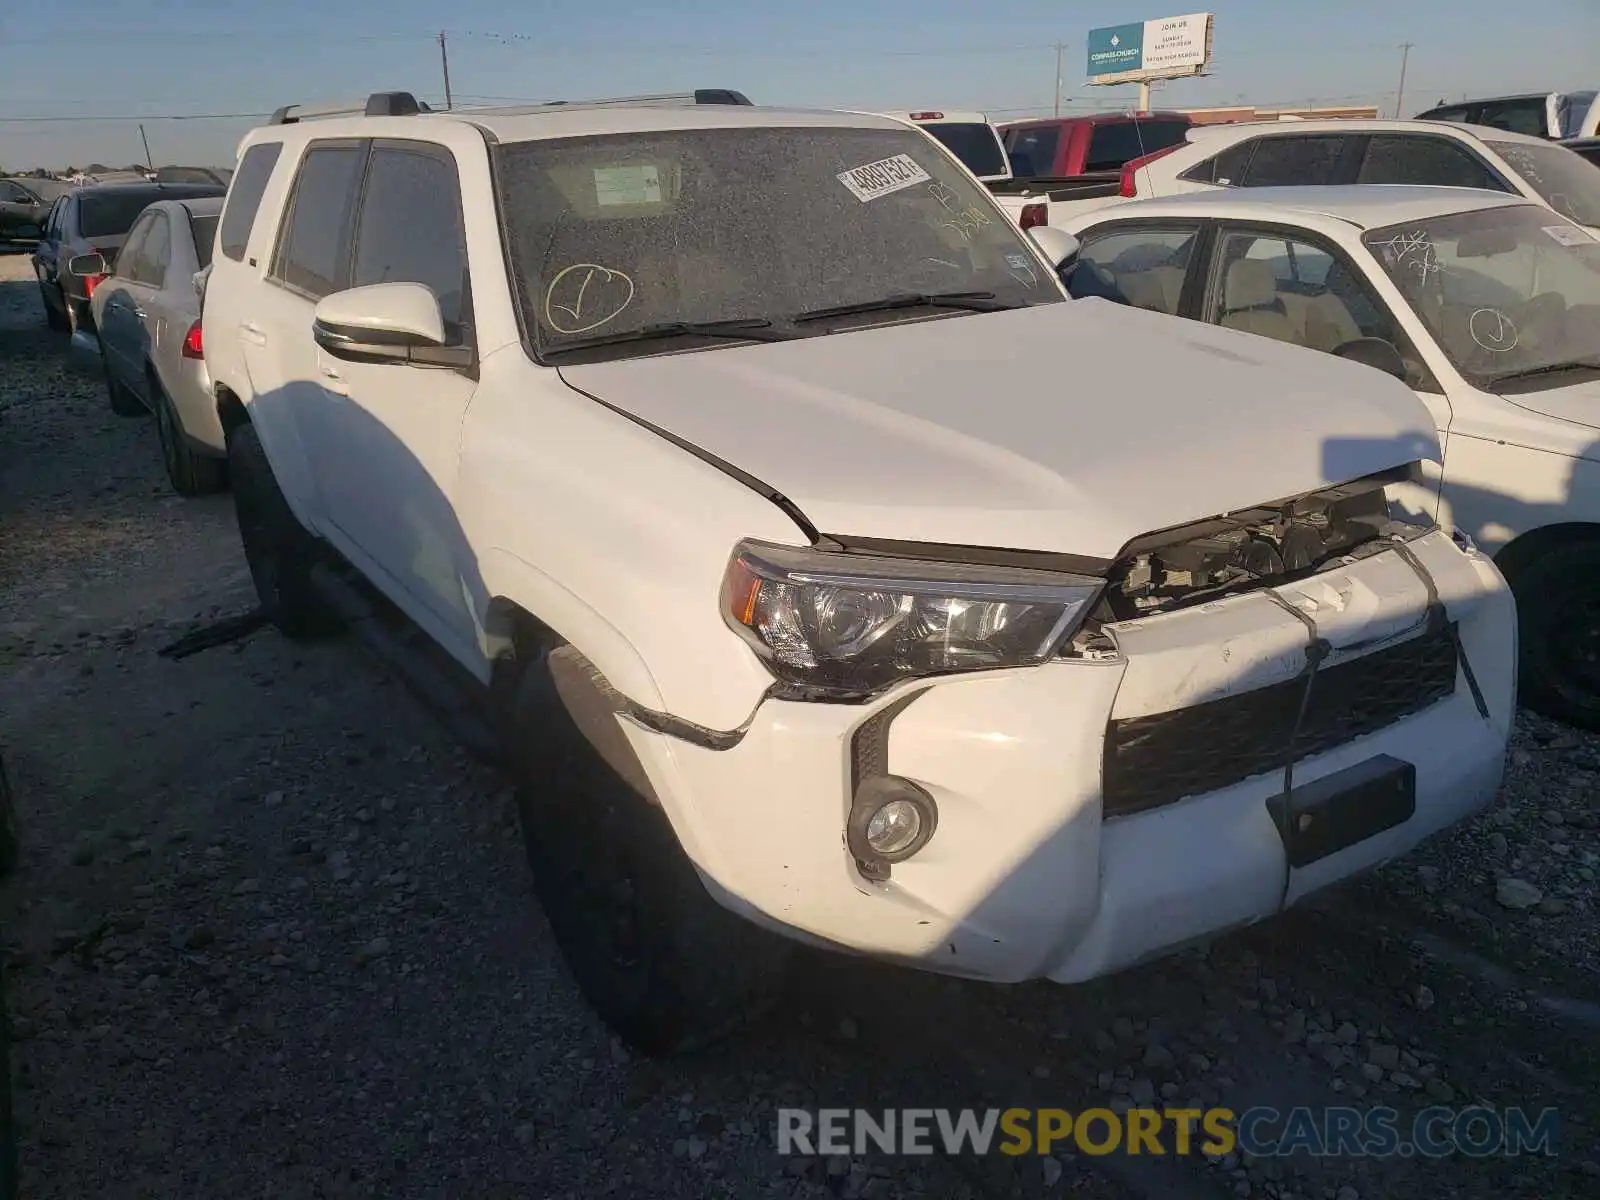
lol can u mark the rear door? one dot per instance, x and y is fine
(119, 328)
(311, 258)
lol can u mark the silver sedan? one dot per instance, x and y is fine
(147, 313)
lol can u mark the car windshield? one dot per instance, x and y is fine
(1564, 181)
(975, 144)
(1506, 292)
(626, 233)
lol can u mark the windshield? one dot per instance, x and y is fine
(1504, 291)
(620, 233)
(976, 144)
(1564, 181)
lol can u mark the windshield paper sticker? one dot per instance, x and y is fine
(1568, 235)
(882, 177)
(627, 185)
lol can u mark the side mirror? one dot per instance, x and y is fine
(85, 265)
(386, 323)
(1059, 246)
(1374, 352)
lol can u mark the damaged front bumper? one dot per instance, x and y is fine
(1095, 812)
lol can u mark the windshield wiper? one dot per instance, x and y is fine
(971, 301)
(1586, 364)
(744, 329)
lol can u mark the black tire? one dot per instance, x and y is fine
(123, 402)
(189, 472)
(1558, 609)
(53, 317)
(277, 548)
(661, 962)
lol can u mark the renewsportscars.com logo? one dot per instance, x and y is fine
(1476, 1132)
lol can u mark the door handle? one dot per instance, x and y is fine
(253, 333)
(331, 379)
(139, 312)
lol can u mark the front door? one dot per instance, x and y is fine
(388, 463)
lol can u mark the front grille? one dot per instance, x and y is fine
(1154, 760)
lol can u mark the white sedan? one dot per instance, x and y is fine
(1488, 306)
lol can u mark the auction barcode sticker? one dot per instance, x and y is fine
(882, 177)
(1568, 235)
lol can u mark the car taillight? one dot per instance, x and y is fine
(1034, 215)
(90, 282)
(193, 346)
(1128, 189)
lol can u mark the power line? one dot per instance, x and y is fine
(232, 116)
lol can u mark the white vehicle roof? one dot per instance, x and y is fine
(1204, 134)
(1364, 205)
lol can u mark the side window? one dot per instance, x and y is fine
(156, 252)
(1141, 267)
(10, 193)
(1458, 114)
(314, 241)
(1401, 158)
(1293, 161)
(409, 230)
(1288, 287)
(244, 196)
(125, 263)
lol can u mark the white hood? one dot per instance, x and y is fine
(1069, 427)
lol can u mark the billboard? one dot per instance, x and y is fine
(1168, 48)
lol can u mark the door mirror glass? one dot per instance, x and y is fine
(1059, 246)
(386, 322)
(84, 265)
(1374, 352)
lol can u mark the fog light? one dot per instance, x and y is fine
(890, 820)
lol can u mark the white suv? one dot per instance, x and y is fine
(822, 563)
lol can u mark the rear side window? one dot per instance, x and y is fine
(244, 197)
(312, 246)
(1294, 161)
(1433, 161)
(410, 228)
(1226, 168)
(205, 236)
(1112, 146)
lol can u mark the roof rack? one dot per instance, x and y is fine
(664, 99)
(379, 104)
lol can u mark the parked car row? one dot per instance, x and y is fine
(869, 579)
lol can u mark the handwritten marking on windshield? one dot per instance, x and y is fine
(593, 294)
(1414, 251)
(1492, 330)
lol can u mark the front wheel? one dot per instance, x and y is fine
(123, 402)
(56, 320)
(1558, 609)
(661, 962)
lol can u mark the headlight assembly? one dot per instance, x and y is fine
(845, 625)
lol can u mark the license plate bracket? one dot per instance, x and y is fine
(1335, 812)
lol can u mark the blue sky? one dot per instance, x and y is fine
(154, 59)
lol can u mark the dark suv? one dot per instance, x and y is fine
(90, 220)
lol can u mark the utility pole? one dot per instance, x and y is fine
(1400, 95)
(444, 61)
(146, 141)
(1060, 46)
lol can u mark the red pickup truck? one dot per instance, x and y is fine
(1081, 162)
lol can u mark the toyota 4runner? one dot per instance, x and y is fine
(725, 449)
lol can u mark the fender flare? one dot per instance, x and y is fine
(511, 581)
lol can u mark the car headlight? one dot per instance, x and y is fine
(840, 625)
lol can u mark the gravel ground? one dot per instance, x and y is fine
(273, 934)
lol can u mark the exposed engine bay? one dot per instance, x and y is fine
(1258, 547)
